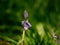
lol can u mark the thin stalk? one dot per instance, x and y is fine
(21, 41)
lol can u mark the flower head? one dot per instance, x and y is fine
(26, 24)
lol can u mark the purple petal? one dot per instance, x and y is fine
(27, 23)
(25, 14)
(26, 27)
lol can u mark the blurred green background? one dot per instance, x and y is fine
(44, 15)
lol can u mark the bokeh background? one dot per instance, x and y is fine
(44, 16)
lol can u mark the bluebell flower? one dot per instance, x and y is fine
(26, 24)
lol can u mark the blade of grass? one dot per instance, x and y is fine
(8, 39)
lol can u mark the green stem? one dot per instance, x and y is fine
(21, 41)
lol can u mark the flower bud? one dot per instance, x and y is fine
(25, 14)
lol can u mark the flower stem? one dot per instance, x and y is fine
(22, 43)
